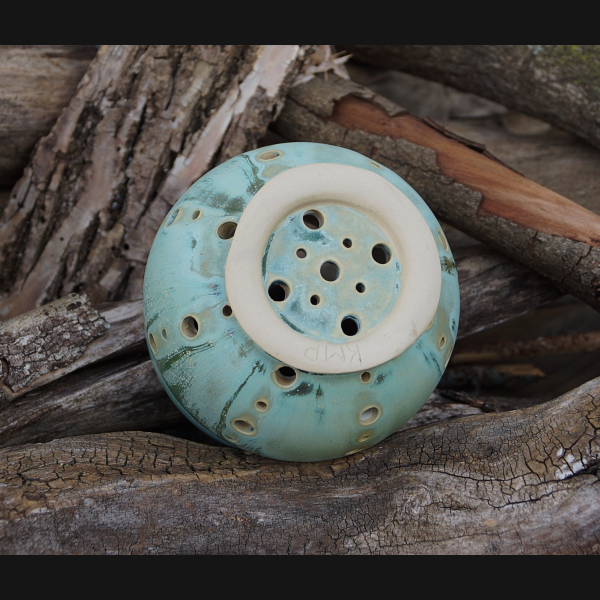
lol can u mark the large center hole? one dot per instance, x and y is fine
(382, 254)
(313, 219)
(350, 326)
(279, 291)
(330, 272)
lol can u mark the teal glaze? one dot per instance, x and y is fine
(222, 376)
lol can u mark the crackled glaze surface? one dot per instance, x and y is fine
(230, 387)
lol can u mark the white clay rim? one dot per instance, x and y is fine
(309, 187)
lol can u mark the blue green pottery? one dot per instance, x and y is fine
(301, 302)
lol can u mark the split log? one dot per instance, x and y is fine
(557, 84)
(525, 482)
(463, 185)
(68, 369)
(36, 83)
(146, 123)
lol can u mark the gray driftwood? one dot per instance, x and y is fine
(557, 84)
(525, 482)
(68, 369)
(36, 83)
(461, 182)
(146, 122)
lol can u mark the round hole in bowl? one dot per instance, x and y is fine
(301, 253)
(227, 311)
(270, 155)
(190, 327)
(369, 415)
(153, 344)
(279, 291)
(227, 230)
(351, 326)
(330, 272)
(382, 255)
(262, 406)
(196, 215)
(286, 376)
(164, 335)
(313, 219)
(244, 427)
(366, 377)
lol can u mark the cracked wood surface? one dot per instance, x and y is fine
(107, 382)
(146, 123)
(459, 180)
(558, 84)
(524, 482)
(36, 83)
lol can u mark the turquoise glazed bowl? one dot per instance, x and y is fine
(301, 302)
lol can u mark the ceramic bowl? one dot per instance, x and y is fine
(301, 302)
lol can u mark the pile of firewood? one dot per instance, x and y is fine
(95, 458)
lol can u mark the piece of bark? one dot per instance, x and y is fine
(36, 83)
(525, 482)
(146, 123)
(493, 352)
(109, 383)
(459, 180)
(557, 84)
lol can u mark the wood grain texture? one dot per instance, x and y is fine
(461, 183)
(557, 84)
(36, 83)
(525, 482)
(146, 123)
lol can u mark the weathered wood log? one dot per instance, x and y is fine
(36, 83)
(491, 352)
(557, 84)
(462, 184)
(147, 121)
(67, 369)
(525, 482)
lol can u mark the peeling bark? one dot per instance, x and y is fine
(147, 121)
(525, 482)
(460, 181)
(106, 381)
(557, 84)
(36, 83)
